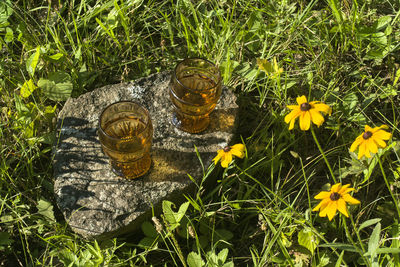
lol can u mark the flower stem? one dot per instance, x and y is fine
(322, 153)
(361, 252)
(308, 189)
(388, 186)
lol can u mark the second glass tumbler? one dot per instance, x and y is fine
(194, 90)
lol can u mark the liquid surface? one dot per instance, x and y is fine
(125, 128)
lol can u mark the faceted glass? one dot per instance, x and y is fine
(126, 134)
(194, 90)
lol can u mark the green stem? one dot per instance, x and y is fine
(357, 233)
(388, 186)
(308, 189)
(361, 252)
(322, 153)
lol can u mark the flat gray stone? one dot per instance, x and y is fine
(98, 204)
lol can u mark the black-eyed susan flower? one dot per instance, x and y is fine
(307, 112)
(226, 154)
(370, 140)
(334, 200)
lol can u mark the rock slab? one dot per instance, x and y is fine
(94, 201)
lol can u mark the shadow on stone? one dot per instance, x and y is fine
(98, 204)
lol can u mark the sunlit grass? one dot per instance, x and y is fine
(258, 210)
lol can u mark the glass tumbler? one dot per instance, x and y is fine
(126, 134)
(194, 90)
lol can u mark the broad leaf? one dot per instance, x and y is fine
(368, 223)
(28, 88)
(45, 208)
(173, 218)
(373, 243)
(5, 11)
(194, 260)
(307, 239)
(57, 87)
(32, 61)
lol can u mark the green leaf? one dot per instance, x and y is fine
(57, 87)
(223, 255)
(307, 239)
(368, 223)
(56, 56)
(340, 246)
(223, 234)
(194, 260)
(45, 208)
(27, 89)
(148, 243)
(32, 61)
(383, 22)
(5, 11)
(382, 251)
(173, 218)
(340, 259)
(9, 37)
(373, 243)
(350, 101)
(148, 229)
(5, 239)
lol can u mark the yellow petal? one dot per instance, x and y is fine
(331, 209)
(336, 187)
(305, 121)
(342, 188)
(372, 145)
(378, 141)
(345, 189)
(323, 108)
(292, 115)
(237, 153)
(361, 150)
(356, 143)
(375, 129)
(322, 204)
(367, 150)
(368, 129)
(381, 134)
(218, 157)
(341, 204)
(292, 106)
(291, 125)
(316, 117)
(239, 147)
(350, 199)
(301, 99)
(322, 195)
(226, 159)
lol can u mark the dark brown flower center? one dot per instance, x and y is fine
(335, 196)
(367, 135)
(227, 149)
(305, 106)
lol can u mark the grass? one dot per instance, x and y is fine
(343, 53)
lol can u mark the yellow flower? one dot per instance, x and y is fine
(370, 140)
(307, 111)
(225, 155)
(271, 69)
(335, 200)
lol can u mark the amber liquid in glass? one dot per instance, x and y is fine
(130, 155)
(194, 106)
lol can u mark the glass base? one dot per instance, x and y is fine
(131, 170)
(190, 124)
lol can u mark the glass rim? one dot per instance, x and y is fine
(120, 102)
(197, 58)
